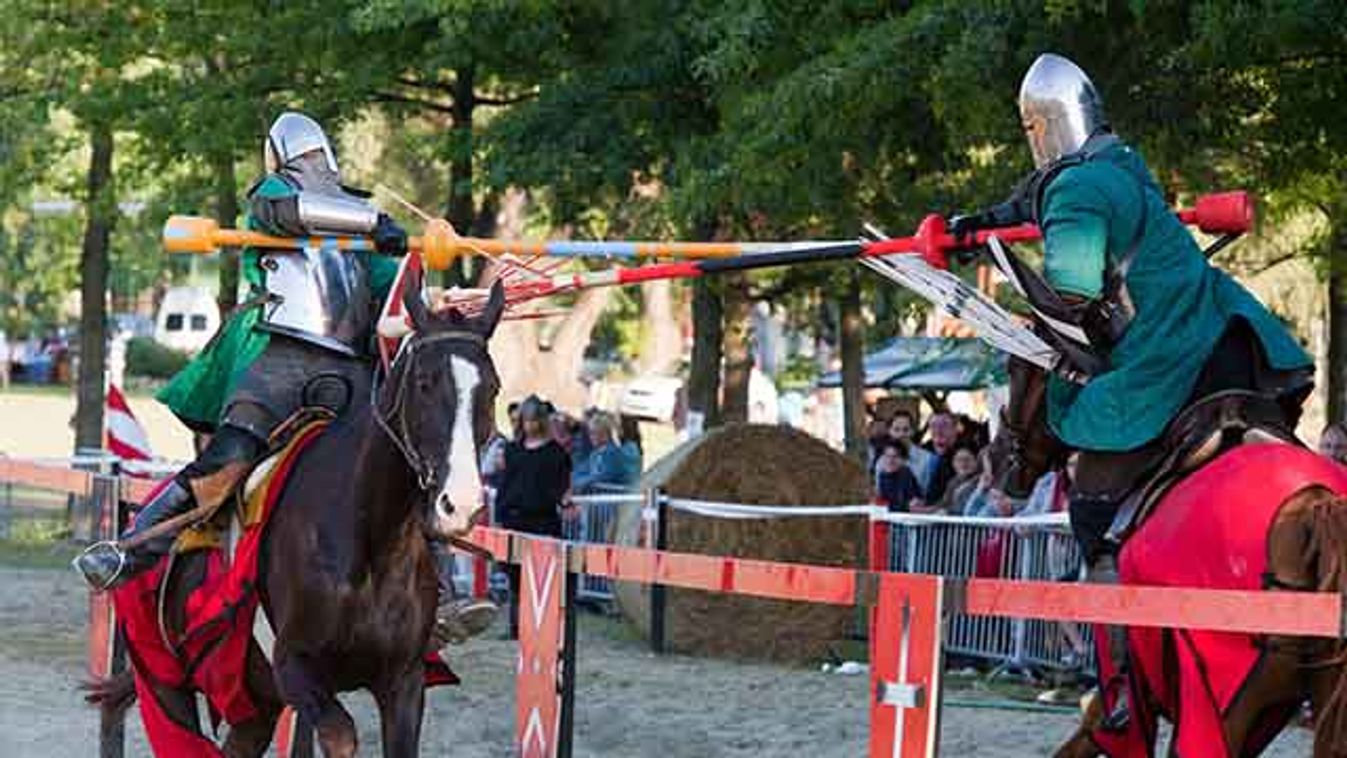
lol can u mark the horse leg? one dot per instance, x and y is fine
(1080, 744)
(1306, 549)
(1324, 519)
(1272, 693)
(316, 704)
(401, 702)
(252, 738)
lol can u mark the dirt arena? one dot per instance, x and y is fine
(629, 703)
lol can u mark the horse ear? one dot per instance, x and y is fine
(413, 302)
(495, 308)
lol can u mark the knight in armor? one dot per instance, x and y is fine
(304, 339)
(1164, 328)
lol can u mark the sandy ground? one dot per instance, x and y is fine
(37, 424)
(629, 703)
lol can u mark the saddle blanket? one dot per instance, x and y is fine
(1210, 530)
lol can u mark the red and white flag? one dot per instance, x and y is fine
(125, 436)
(393, 325)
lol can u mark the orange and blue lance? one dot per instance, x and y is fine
(439, 245)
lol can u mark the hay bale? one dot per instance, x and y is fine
(755, 465)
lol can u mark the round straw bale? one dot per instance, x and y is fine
(754, 465)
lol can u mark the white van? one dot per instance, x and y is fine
(188, 318)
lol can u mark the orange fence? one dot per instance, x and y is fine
(906, 611)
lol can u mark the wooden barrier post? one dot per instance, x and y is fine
(658, 594)
(107, 646)
(542, 721)
(566, 728)
(905, 666)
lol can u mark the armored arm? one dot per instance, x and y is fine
(301, 213)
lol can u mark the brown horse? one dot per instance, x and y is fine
(348, 582)
(1304, 544)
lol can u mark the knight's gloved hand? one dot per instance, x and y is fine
(962, 226)
(389, 238)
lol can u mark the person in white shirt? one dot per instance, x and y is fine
(6, 357)
(903, 427)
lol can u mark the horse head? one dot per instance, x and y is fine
(438, 405)
(1024, 447)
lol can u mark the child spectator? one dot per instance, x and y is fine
(895, 484)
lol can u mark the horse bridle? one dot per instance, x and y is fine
(399, 370)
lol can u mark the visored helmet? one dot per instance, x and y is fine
(292, 135)
(1059, 108)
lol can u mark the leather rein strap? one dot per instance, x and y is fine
(399, 369)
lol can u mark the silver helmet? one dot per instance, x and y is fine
(1059, 108)
(292, 135)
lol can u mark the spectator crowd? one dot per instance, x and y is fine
(948, 472)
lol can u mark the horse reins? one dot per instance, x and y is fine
(425, 473)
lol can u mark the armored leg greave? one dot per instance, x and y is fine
(207, 481)
(1103, 569)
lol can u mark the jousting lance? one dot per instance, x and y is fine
(1227, 213)
(439, 245)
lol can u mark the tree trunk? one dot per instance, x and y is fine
(460, 210)
(852, 344)
(738, 332)
(227, 213)
(708, 339)
(661, 341)
(707, 342)
(101, 207)
(1337, 323)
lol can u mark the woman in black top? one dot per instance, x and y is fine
(537, 476)
(535, 487)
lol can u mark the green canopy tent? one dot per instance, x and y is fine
(929, 364)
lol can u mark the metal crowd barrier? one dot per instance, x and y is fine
(596, 524)
(1030, 549)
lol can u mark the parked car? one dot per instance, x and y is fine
(651, 397)
(187, 319)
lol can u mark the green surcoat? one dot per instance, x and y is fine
(1090, 213)
(198, 393)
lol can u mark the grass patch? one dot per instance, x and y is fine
(37, 554)
(41, 390)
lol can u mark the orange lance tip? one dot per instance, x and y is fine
(439, 244)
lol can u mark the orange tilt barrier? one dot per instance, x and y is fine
(905, 619)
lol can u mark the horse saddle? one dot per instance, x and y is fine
(251, 494)
(1203, 431)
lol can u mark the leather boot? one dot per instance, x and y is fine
(106, 565)
(1104, 570)
(457, 619)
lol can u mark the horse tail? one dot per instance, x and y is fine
(113, 694)
(1328, 542)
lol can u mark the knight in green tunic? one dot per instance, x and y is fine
(1167, 329)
